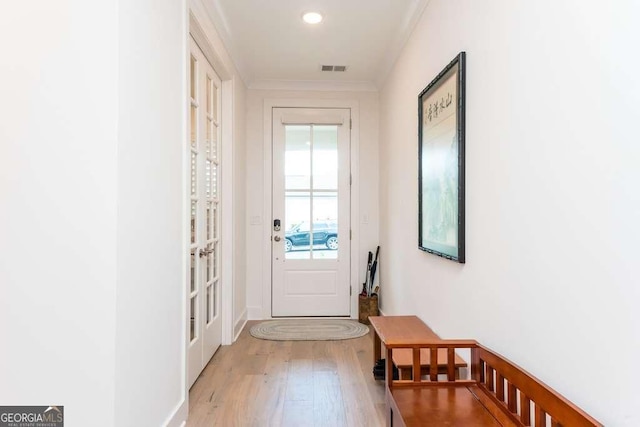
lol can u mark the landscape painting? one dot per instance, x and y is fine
(441, 164)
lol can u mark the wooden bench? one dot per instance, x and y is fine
(498, 393)
(409, 329)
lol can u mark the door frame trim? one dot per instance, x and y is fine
(269, 105)
(200, 35)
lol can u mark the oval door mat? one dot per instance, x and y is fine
(309, 330)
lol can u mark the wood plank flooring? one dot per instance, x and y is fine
(288, 383)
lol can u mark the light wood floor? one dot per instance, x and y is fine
(288, 383)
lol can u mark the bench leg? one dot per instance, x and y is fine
(406, 374)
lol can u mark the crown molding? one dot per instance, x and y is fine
(314, 85)
(411, 18)
(220, 22)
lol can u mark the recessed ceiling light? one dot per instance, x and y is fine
(312, 18)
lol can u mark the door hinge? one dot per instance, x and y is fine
(350, 291)
(350, 234)
(350, 123)
(350, 179)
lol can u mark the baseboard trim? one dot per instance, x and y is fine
(239, 326)
(179, 416)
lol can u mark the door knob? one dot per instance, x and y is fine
(276, 238)
(205, 252)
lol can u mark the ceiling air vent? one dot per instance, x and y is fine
(336, 68)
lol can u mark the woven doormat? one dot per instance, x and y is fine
(309, 330)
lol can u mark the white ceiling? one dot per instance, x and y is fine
(273, 47)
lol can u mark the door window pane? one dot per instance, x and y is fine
(208, 137)
(209, 258)
(297, 158)
(214, 181)
(325, 225)
(193, 307)
(192, 263)
(194, 208)
(325, 206)
(209, 304)
(214, 141)
(194, 125)
(209, 221)
(214, 220)
(214, 101)
(216, 292)
(297, 225)
(192, 69)
(214, 259)
(194, 158)
(209, 87)
(207, 178)
(325, 157)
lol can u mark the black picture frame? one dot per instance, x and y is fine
(441, 163)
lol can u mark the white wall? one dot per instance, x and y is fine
(151, 277)
(92, 225)
(368, 180)
(58, 103)
(552, 200)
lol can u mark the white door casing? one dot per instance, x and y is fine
(204, 304)
(311, 251)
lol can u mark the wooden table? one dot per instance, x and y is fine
(399, 330)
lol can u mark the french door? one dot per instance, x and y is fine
(205, 320)
(310, 223)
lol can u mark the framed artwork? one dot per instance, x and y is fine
(441, 163)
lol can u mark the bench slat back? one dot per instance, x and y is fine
(492, 372)
(519, 398)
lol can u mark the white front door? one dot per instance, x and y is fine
(310, 222)
(205, 320)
